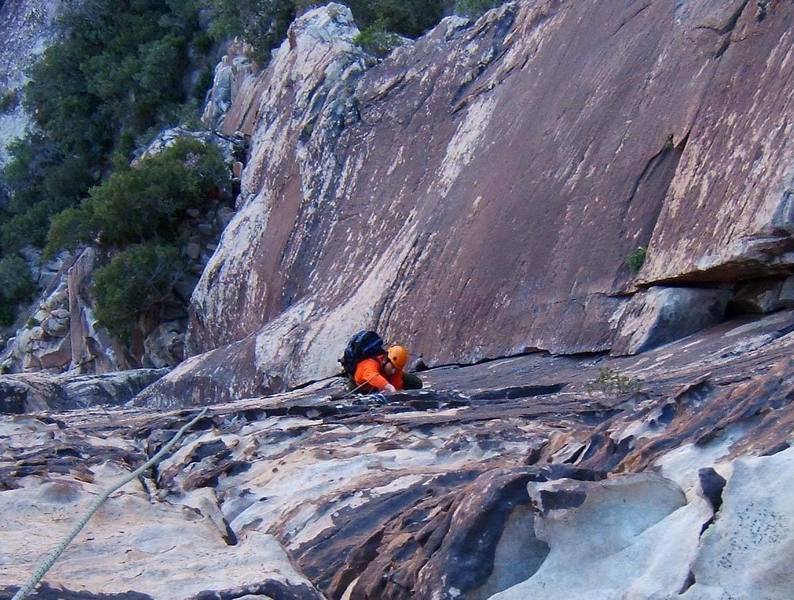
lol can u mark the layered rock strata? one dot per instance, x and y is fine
(476, 193)
(657, 476)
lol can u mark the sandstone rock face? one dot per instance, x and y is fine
(663, 314)
(27, 27)
(506, 480)
(234, 69)
(93, 350)
(477, 193)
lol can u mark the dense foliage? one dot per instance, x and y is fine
(118, 71)
(135, 279)
(138, 210)
(146, 202)
(118, 74)
(264, 23)
(475, 8)
(17, 286)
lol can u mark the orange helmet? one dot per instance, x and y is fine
(398, 356)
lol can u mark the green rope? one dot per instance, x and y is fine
(47, 564)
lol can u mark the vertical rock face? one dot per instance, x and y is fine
(735, 181)
(26, 29)
(477, 193)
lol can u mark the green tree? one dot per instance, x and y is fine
(261, 23)
(144, 203)
(16, 285)
(264, 23)
(134, 281)
(117, 72)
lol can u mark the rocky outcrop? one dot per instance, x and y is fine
(62, 333)
(33, 392)
(663, 314)
(27, 27)
(498, 480)
(476, 193)
(234, 69)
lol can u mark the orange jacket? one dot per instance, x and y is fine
(368, 371)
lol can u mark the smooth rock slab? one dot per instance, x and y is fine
(31, 392)
(747, 552)
(632, 537)
(155, 549)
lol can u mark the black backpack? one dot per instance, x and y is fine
(365, 344)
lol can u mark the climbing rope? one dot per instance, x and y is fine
(47, 564)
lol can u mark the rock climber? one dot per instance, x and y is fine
(386, 372)
(371, 368)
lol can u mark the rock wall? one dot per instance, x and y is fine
(478, 192)
(27, 27)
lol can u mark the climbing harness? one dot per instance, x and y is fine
(47, 564)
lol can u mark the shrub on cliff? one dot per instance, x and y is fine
(8, 100)
(475, 8)
(261, 23)
(43, 183)
(16, 285)
(376, 40)
(410, 18)
(636, 259)
(136, 279)
(144, 203)
(264, 23)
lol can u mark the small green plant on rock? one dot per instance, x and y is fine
(636, 259)
(610, 381)
(376, 40)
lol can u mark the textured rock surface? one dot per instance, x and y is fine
(499, 477)
(234, 69)
(663, 314)
(30, 392)
(26, 29)
(477, 193)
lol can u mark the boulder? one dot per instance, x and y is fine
(742, 553)
(56, 326)
(663, 314)
(630, 537)
(787, 292)
(56, 355)
(193, 250)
